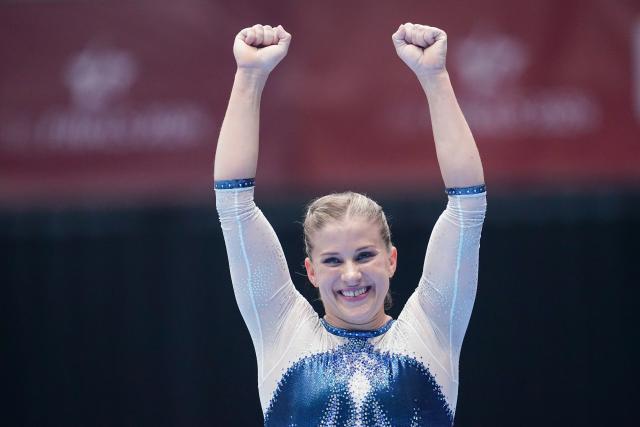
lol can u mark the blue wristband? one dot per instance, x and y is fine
(227, 184)
(462, 191)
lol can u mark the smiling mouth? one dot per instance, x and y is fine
(354, 293)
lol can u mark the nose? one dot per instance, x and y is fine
(351, 273)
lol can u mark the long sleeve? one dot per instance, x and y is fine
(447, 288)
(262, 285)
(440, 308)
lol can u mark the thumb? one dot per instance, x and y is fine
(398, 37)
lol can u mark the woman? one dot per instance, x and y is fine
(356, 366)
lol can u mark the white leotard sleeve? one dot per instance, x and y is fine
(438, 312)
(268, 301)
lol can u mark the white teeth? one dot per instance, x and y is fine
(354, 293)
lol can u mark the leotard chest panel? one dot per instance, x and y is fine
(357, 385)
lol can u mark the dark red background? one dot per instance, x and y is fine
(548, 88)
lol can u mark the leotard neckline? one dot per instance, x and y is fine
(350, 333)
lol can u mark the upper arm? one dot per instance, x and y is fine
(261, 281)
(448, 284)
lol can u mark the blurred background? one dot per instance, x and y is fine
(116, 305)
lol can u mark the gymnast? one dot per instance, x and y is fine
(356, 366)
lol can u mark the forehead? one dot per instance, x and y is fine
(345, 234)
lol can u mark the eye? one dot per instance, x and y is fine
(364, 256)
(331, 261)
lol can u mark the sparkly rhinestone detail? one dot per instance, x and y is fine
(461, 191)
(347, 333)
(354, 385)
(234, 183)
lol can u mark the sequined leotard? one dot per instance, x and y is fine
(313, 374)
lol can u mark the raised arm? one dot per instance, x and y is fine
(257, 51)
(261, 281)
(424, 50)
(440, 309)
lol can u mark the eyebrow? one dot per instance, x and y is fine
(336, 253)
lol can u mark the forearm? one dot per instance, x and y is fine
(237, 149)
(456, 149)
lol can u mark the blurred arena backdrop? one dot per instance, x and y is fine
(116, 303)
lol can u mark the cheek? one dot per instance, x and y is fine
(381, 271)
(383, 282)
(325, 278)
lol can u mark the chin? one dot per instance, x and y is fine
(357, 319)
(359, 315)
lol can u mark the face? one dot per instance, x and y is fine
(351, 266)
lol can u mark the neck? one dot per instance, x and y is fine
(377, 322)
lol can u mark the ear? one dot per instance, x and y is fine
(393, 261)
(311, 274)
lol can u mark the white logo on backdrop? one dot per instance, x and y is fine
(97, 77)
(497, 103)
(102, 115)
(489, 69)
(486, 66)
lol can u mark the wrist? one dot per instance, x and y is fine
(434, 81)
(250, 78)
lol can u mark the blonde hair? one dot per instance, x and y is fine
(338, 206)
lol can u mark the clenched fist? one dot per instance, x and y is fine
(422, 48)
(260, 48)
